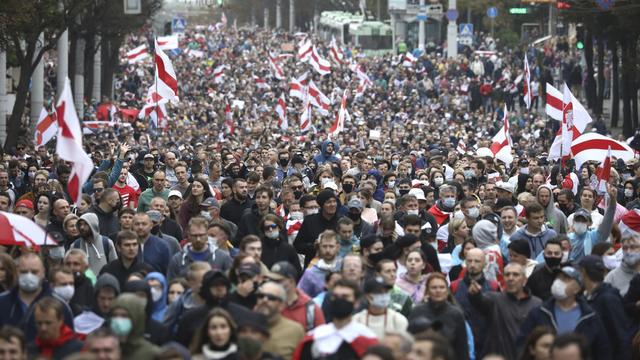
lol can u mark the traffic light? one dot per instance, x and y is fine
(579, 37)
(563, 5)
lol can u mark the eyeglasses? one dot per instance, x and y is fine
(98, 189)
(297, 187)
(271, 227)
(269, 297)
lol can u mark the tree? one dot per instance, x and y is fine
(21, 24)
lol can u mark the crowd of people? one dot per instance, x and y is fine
(209, 238)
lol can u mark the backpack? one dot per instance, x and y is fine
(105, 246)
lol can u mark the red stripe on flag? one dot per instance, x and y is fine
(597, 144)
(135, 55)
(73, 188)
(554, 101)
(164, 75)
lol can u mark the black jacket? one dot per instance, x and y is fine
(194, 318)
(120, 272)
(540, 281)
(232, 210)
(73, 346)
(171, 227)
(249, 223)
(453, 326)
(311, 228)
(279, 250)
(606, 302)
(83, 295)
(108, 222)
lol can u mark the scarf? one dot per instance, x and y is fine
(47, 347)
(213, 354)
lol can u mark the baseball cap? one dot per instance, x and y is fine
(175, 193)
(418, 193)
(210, 202)
(149, 156)
(374, 285)
(506, 186)
(250, 269)
(573, 273)
(330, 185)
(355, 203)
(155, 215)
(25, 203)
(592, 264)
(282, 270)
(583, 213)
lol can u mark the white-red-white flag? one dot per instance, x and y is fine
(228, 118)
(593, 146)
(304, 50)
(46, 128)
(218, 74)
(343, 115)
(527, 83)
(409, 60)
(462, 147)
(567, 121)
(306, 116)
(318, 99)
(318, 63)
(581, 117)
(604, 172)
(278, 73)
(501, 142)
(261, 83)
(69, 144)
(297, 90)
(335, 52)
(166, 81)
(21, 231)
(155, 109)
(169, 42)
(138, 54)
(281, 110)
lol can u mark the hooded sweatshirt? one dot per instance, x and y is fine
(158, 308)
(135, 346)
(554, 216)
(95, 246)
(323, 157)
(90, 320)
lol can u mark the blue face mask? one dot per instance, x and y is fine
(121, 326)
(449, 202)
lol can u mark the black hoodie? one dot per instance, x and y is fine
(155, 332)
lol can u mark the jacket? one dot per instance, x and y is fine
(83, 294)
(555, 217)
(91, 319)
(620, 277)
(323, 157)
(279, 250)
(536, 241)
(232, 210)
(581, 245)
(249, 223)
(505, 314)
(453, 326)
(64, 345)
(121, 273)
(312, 227)
(145, 198)
(107, 222)
(135, 346)
(589, 325)
(304, 311)
(607, 302)
(155, 253)
(98, 255)
(219, 260)
(158, 308)
(540, 280)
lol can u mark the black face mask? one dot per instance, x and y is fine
(354, 216)
(347, 188)
(552, 262)
(297, 194)
(403, 192)
(340, 308)
(283, 162)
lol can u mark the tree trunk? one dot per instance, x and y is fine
(633, 84)
(600, 97)
(15, 120)
(615, 85)
(590, 85)
(627, 71)
(109, 63)
(89, 51)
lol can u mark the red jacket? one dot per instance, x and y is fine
(298, 311)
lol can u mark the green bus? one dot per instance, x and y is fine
(372, 37)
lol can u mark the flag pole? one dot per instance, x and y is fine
(155, 101)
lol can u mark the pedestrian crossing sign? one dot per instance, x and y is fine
(465, 30)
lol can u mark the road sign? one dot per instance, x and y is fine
(465, 29)
(452, 14)
(492, 12)
(422, 16)
(605, 5)
(518, 11)
(178, 24)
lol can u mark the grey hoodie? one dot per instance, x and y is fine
(555, 218)
(94, 247)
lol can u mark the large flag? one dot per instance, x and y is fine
(138, 54)
(155, 109)
(501, 142)
(298, 87)
(343, 114)
(554, 107)
(561, 146)
(281, 110)
(46, 128)
(261, 83)
(69, 144)
(304, 50)
(305, 117)
(318, 63)
(527, 83)
(168, 42)
(21, 231)
(604, 172)
(218, 74)
(166, 81)
(277, 69)
(228, 118)
(593, 146)
(335, 52)
(409, 60)
(318, 99)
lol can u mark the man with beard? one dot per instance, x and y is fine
(285, 333)
(542, 277)
(566, 203)
(331, 339)
(107, 211)
(327, 153)
(99, 249)
(233, 209)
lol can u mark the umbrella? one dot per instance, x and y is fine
(18, 230)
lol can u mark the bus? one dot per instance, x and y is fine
(372, 37)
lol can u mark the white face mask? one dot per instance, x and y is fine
(565, 256)
(611, 261)
(392, 184)
(272, 234)
(296, 215)
(474, 212)
(580, 227)
(381, 301)
(65, 292)
(559, 289)
(628, 193)
(413, 212)
(438, 181)
(524, 170)
(312, 211)
(156, 294)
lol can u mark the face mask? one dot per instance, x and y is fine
(449, 202)
(312, 211)
(347, 188)
(580, 228)
(559, 289)
(354, 216)
(324, 181)
(631, 259)
(205, 214)
(628, 193)
(395, 162)
(610, 261)
(438, 181)
(28, 282)
(156, 294)
(468, 174)
(65, 292)
(391, 184)
(249, 347)
(565, 257)
(474, 212)
(121, 326)
(340, 308)
(413, 212)
(552, 262)
(403, 192)
(32, 174)
(56, 253)
(524, 170)
(296, 215)
(272, 234)
(283, 162)
(381, 301)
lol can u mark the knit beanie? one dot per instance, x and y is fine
(485, 233)
(324, 196)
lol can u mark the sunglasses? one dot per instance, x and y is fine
(271, 227)
(98, 189)
(268, 296)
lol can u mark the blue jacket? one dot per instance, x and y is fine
(158, 308)
(14, 312)
(536, 242)
(581, 245)
(607, 302)
(323, 157)
(589, 325)
(156, 254)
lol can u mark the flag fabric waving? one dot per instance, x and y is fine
(343, 115)
(409, 60)
(166, 81)
(218, 74)
(168, 42)
(527, 83)
(318, 63)
(228, 118)
(277, 69)
(281, 110)
(138, 54)
(318, 99)
(69, 144)
(604, 172)
(592, 146)
(21, 231)
(501, 142)
(581, 117)
(46, 128)
(335, 52)
(305, 117)
(304, 50)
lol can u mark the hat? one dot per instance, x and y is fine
(520, 247)
(210, 202)
(374, 285)
(593, 265)
(325, 195)
(212, 278)
(583, 213)
(368, 241)
(282, 270)
(406, 240)
(175, 193)
(255, 321)
(573, 273)
(523, 162)
(25, 203)
(506, 186)
(419, 324)
(155, 216)
(485, 233)
(251, 269)
(330, 185)
(149, 156)
(355, 203)
(418, 193)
